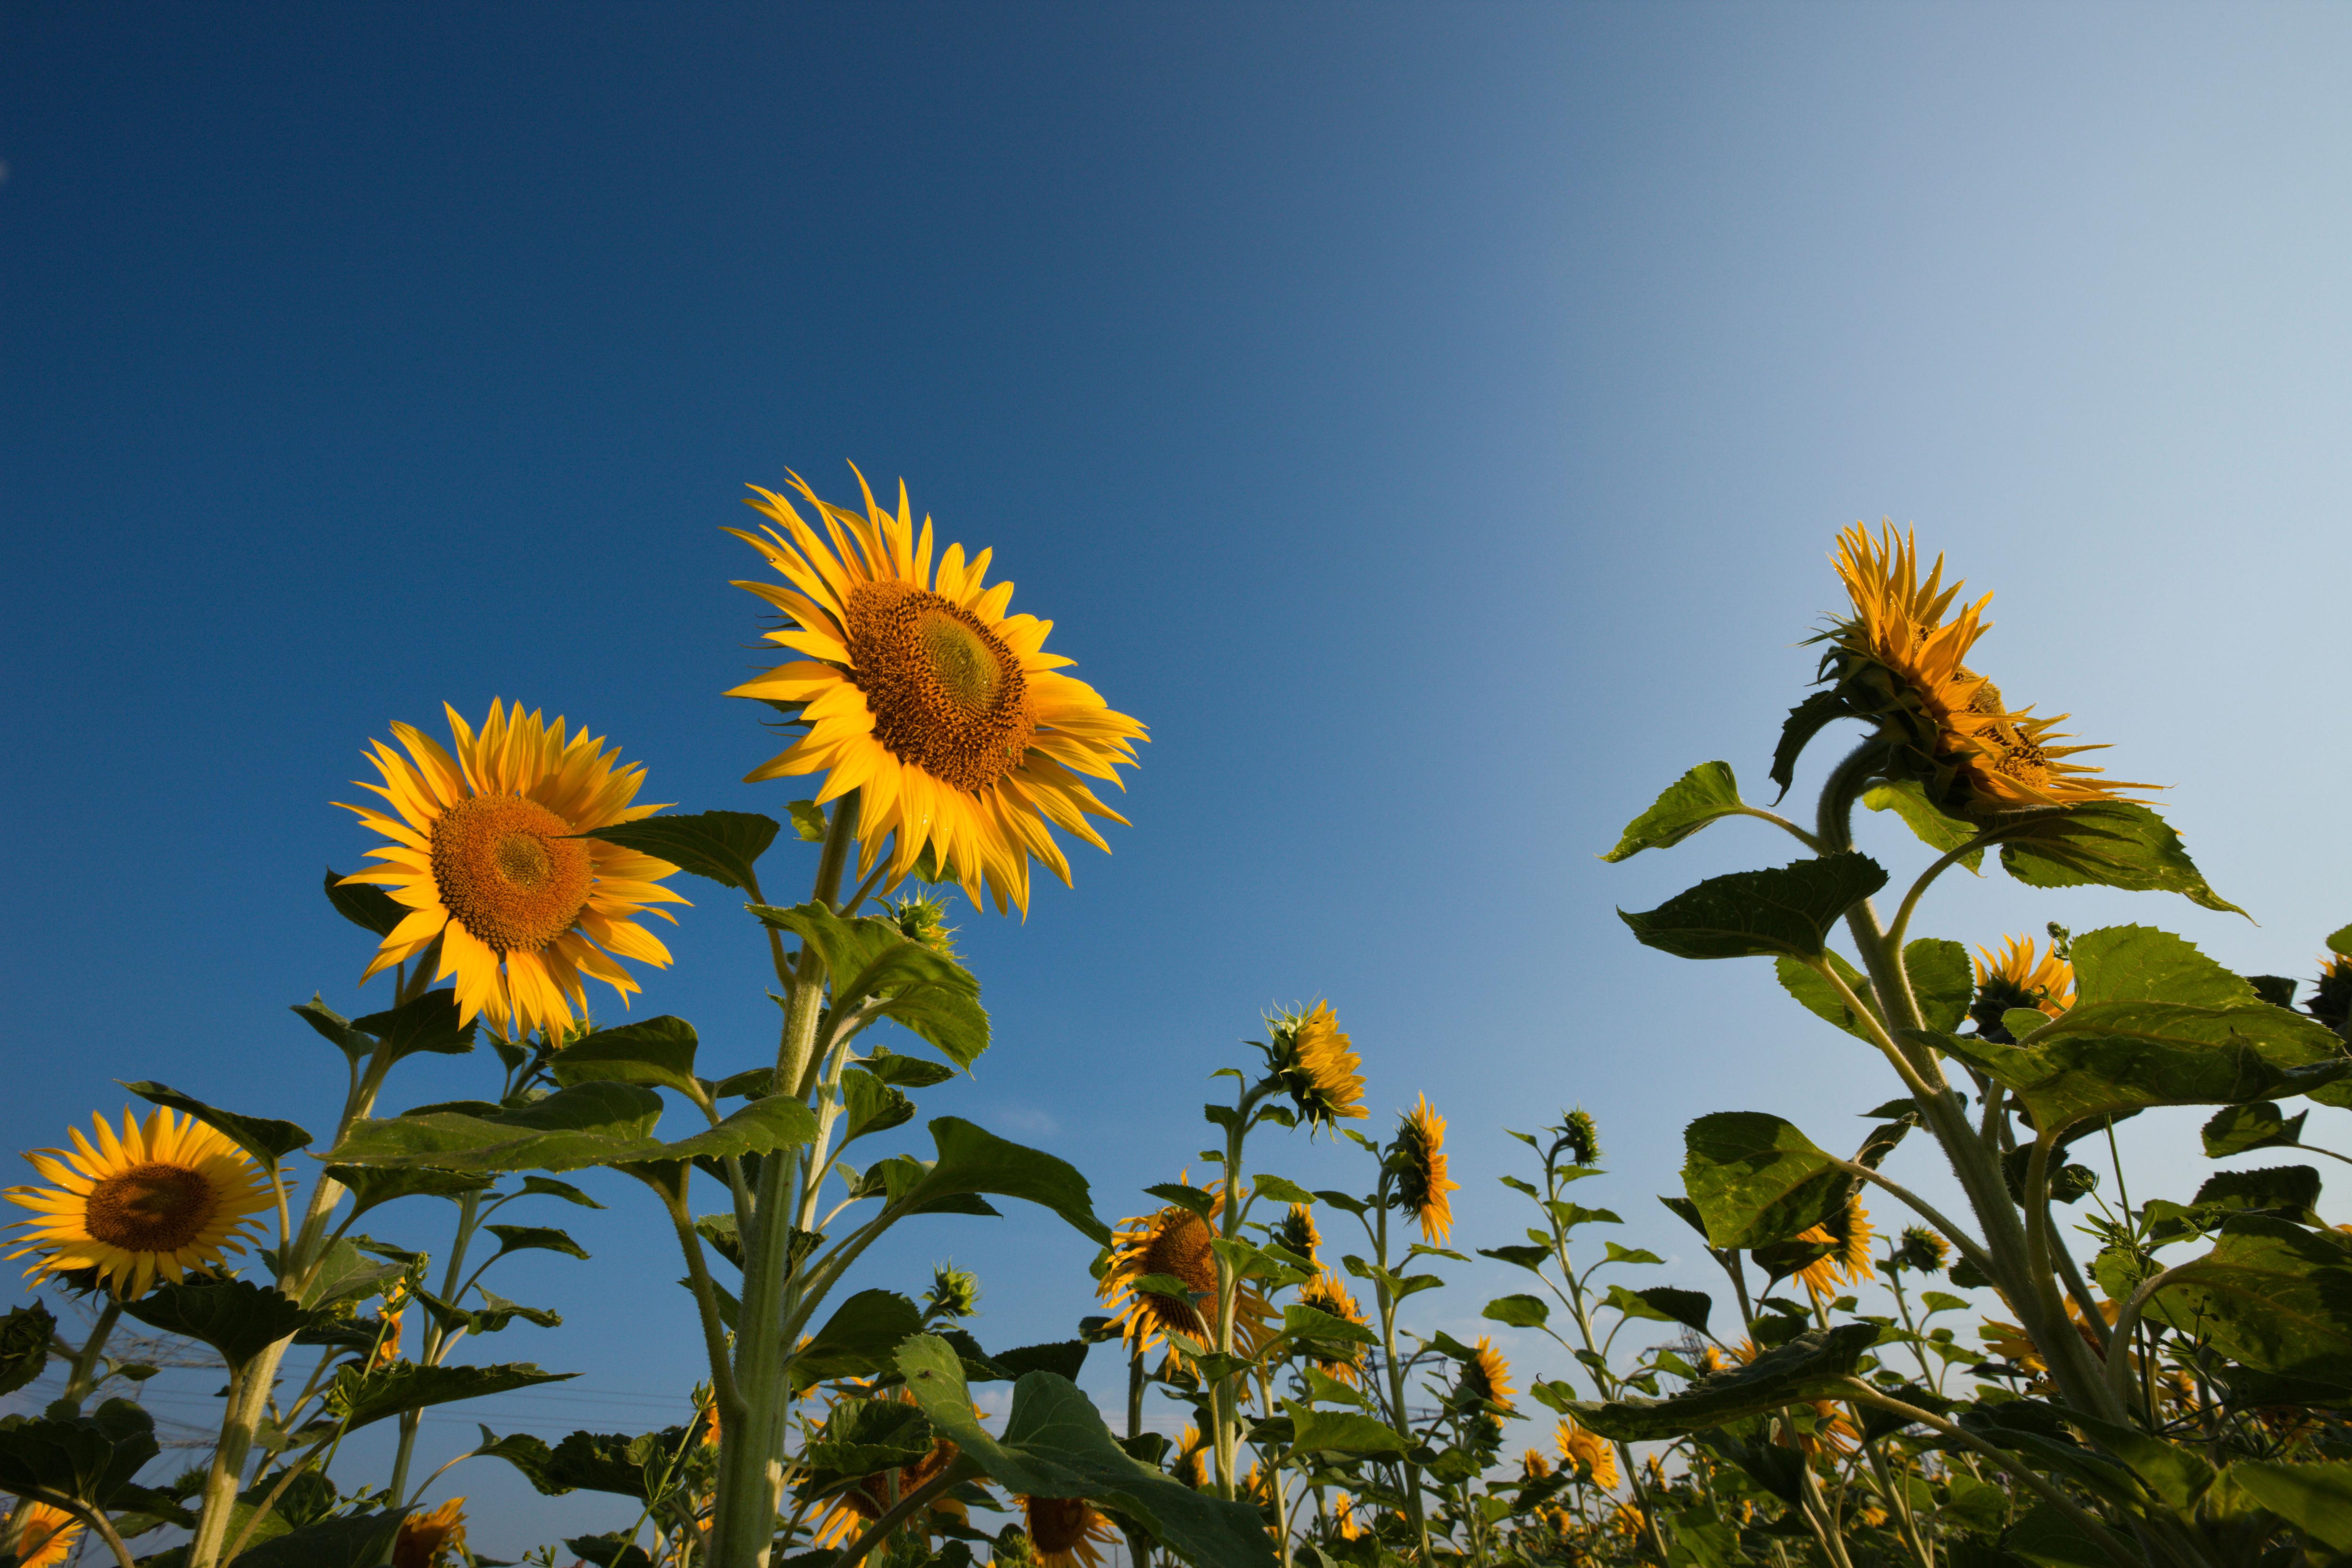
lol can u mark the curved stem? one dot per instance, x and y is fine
(1809, 840)
(92, 1517)
(955, 1475)
(2119, 1342)
(1972, 1249)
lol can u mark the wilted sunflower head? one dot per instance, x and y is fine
(955, 1292)
(1897, 661)
(1486, 1376)
(1848, 1234)
(485, 856)
(431, 1539)
(164, 1197)
(915, 689)
(1580, 1138)
(1295, 1231)
(1923, 1251)
(1416, 1158)
(1588, 1454)
(1065, 1531)
(2018, 977)
(1318, 1064)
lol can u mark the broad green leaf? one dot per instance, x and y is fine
(1943, 980)
(2113, 844)
(365, 906)
(1810, 1366)
(371, 1187)
(2049, 1539)
(808, 821)
(972, 1161)
(906, 1072)
(494, 1314)
(1805, 720)
(1627, 1304)
(1283, 1192)
(2270, 1295)
(1055, 1444)
(25, 1335)
(2340, 941)
(236, 1317)
(722, 846)
(358, 1541)
(2237, 1129)
(344, 1273)
(93, 1456)
(588, 1124)
(584, 1461)
(876, 971)
(548, 1187)
(533, 1239)
(1819, 997)
(2140, 963)
(268, 1140)
(2315, 1495)
(335, 1027)
(2284, 1192)
(1756, 1179)
(1760, 913)
(1933, 826)
(657, 1053)
(859, 1437)
(1688, 1308)
(358, 1398)
(1062, 1358)
(859, 1339)
(2069, 1077)
(1700, 797)
(426, 1023)
(1340, 1431)
(1521, 1311)
(873, 1106)
(1323, 1328)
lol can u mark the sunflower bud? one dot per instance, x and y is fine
(955, 1292)
(923, 919)
(1922, 1251)
(1579, 1137)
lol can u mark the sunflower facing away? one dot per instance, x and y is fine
(1318, 1065)
(432, 1539)
(1065, 1532)
(160, 1199)
(1417, 1159)
(1898, 661)
(1189, 1460)
(872, 1498)
(1848, 1262)
(482, 855)
(1295, 1231)
(920, 691)
(1588, 1454)
(1487, 1377)
(1174, 1242)
(1325, 1293)
(2016, 978)
(41, 1535)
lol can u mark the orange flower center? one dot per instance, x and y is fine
(507, 873)
(1057, 1524)
(947, 695)
(149, 1208)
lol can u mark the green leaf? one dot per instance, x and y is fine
(1812, 1365)
(24, 1336)
(584, 1461)
(1805, 720)
(1819, 997)
(344, 1273)
(873, 1106)
(371, 1188)
(1700, 797)
(1055, 1445)
(2051, 1540)
(1062, 1358)
(2140, 963)
(494, 1314)
(808, 821)
(1943, 980)
(2284, 1192)
(359, 1398)
(859, 1339)
(877, 972)
(859, 1437)
(335, 1027)
(236, 1317)
(1283, 1192)
(2315, 1496)
(1760, 913)
(1933, 828)
(1340, 1431)
(722, 846)
(92, 1458)
(1756, 1179)
(533, 1239)
(368, 907)
(426, 1023)
(1688, 1308)
(548, 1187)
(588, 1124)
(657, 1053)
(358, 1541)
(2154, 1057)
(974, 1161)
(266, 1139)
(2112, 844)
(2270, 1295)
(906, 1072)
(1319, 1327)
(2238, 1129)
(1521, 1311)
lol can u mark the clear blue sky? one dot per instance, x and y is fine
(1431, 419)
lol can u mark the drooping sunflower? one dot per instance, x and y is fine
(1065, 1532)
(1922, 1251)
(1898, 661)
(1487, 1377)
(1295, 1231)
(42, 1535)
(1326, 1294)
(163, 1198)
(1174, 1242)
(871, 1498)
(1189, 1461)
(2016, 977)
(483, 856)
(1848, 1234)
(431, 1539)
(920, 691)
(1587, 1453)
(1417, 1156)
(1318, 1065)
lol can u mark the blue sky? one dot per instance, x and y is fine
(1431, 419)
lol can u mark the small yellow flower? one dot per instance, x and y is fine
(163, 1198)
(43, 1536)
(1587, 1453)
(1188, 1462)
(1417, 1159)
(1533, 1465)
(430, 1540)
(1343, 1515)
(870, 1498)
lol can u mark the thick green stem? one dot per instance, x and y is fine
(84, 1376)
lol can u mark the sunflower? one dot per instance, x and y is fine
(429, 1540)
(1343, 1516)
(1175, 1242)
(484, 856)
(1065, 1532)
(1586, 1453)
(2331, 998)
(161, 1199)
(1486, 1376)
(1318, 1065)
(872, 1498)
(2014, 978)
(1326, 1294)
(1296, 1232)
(1188, 1462)
(1923, 1251)
(1580, 1136)
(387, 1347)
(1848, 1261)
(1897, 661)
(1417, 1159)
(919, 690)
(1533, 1465)
(41, 1535)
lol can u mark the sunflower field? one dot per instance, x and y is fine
(1950, 1342)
